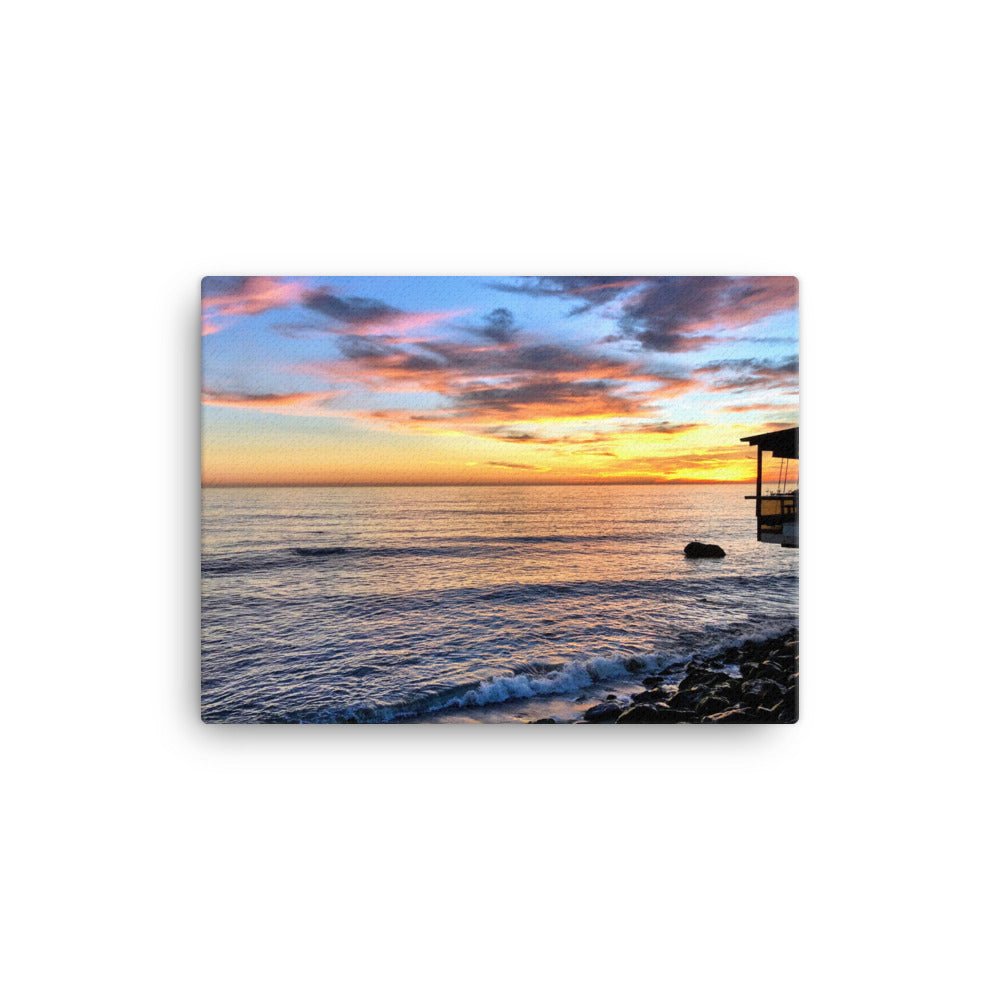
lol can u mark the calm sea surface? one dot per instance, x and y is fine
(472, 604)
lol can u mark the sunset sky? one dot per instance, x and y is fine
(493, 380)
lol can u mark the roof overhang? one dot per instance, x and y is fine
(783, 444)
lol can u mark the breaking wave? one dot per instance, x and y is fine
(533, 681)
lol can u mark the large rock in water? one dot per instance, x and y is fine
(698, 550)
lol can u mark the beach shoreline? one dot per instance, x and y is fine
(751, 683)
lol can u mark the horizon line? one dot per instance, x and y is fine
(635, 482)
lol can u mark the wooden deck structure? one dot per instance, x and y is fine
(778, 512)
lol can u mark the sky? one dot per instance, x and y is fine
(469, 380)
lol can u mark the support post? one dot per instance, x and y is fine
(760, 470)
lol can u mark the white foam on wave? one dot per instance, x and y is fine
(572, 677)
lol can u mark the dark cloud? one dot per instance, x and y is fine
(590, 291)
(671, 314)
(359, 348)
(261, 400)
(515, 465)
(501, 434)
(549, 358)
(786, 366)
(385, 357)
(350, 310)
(218, 287)
(665, 427)
(680, 314)
(546, 397)
(512, 359)
(497, 326)
(748, 374)
(517, 436)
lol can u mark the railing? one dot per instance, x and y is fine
(774, 511)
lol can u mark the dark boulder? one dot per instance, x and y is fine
(542, 722)
(771, 671)
(604, 712)
(638, 714)
(646, 697)
(711, 704)
(703, 678)
(733, 690)
(788, 711)
(762, 693)
(698, 550)
(687, 699)
(652, 682)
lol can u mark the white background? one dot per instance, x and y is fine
(849, 144)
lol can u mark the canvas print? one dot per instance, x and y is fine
(561, 500)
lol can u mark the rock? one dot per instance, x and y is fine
(611, 697)
(761, 693)
(605, 712)
(733, 690)
(638, 714)
(771, 671)
(542, 722)
(788, 713)
(711, 704)
(633, 666)
(756, 681)
(645, 697)
(703, 678)
(730, 716)
(674, 715)
(698, 550)
(686, 700)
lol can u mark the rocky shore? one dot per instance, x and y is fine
(752, 683)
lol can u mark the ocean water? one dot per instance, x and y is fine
(470, 604)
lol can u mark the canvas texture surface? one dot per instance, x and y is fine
(500, 500)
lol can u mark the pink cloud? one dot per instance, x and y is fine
(254, 296)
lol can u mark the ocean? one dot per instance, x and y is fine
(471, 603)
